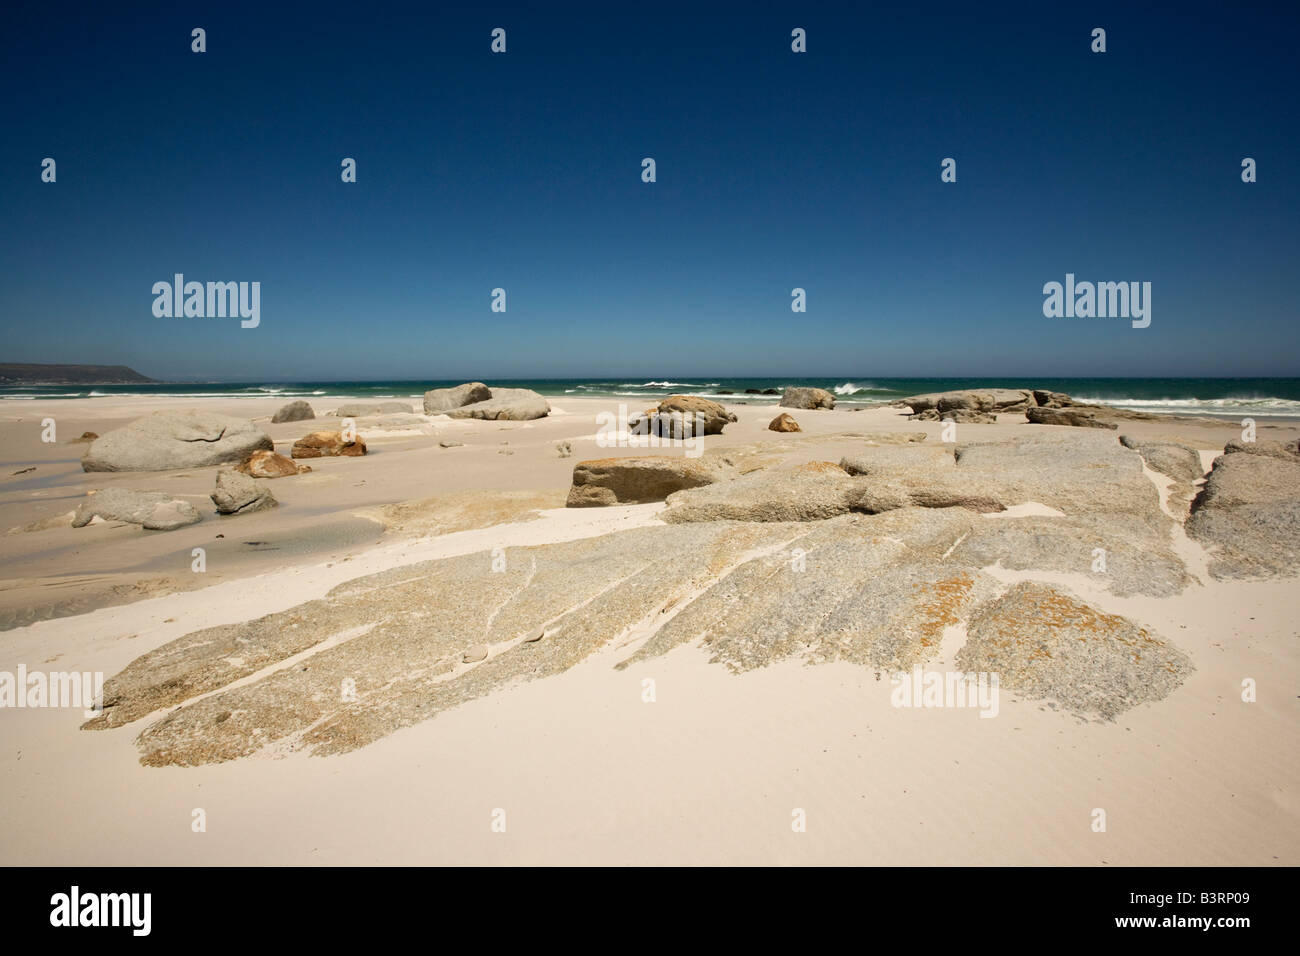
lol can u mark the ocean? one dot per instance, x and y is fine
(1225, 397)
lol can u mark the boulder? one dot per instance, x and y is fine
(1248, 516)
(1178, 461)
(636, 480)
(506, 404)
(238, 494)
(175, 439)
(783, 423)
(153, 510)
(327, 445)
(681, 416)
(298, 411)
(807, 398)
(1077, 417)
(1270, 449)
(363, 410)
(270, 464)
(440, 400)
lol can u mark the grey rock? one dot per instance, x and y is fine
(1271, 449)
(440, 400)
(1248, 516)
(1178, 461)
(298, 411)
(153, 510)
(807, 492)
(1076, 416)
(237, 493)
(506, 404)
(175, 439)
(807, 398)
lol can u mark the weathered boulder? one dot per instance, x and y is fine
(298, 411)
(682, 416)
(327, 444)
(506, 404)
(1248, 516)
(175, 439)
(1075, 416)
(153, 510)
(237, 494)
(364, 409)
(440, 400)
(1290, 451)
(635, 480)
(1178, 461)
(1046, 399)
(270, 464)
(807, 398)
(783, 423)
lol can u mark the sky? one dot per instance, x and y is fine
(775, 170)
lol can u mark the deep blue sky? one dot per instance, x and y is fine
(775, 170)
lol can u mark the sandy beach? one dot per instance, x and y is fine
(737, 735)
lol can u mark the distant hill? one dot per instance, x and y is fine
(70, 375)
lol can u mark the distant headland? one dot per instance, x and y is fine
(16, 374)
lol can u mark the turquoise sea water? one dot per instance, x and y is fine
(1233, 397)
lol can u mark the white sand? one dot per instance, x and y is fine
(587, 772)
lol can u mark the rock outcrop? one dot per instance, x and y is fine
(1178, 461)
(878, 592)
(175, 439)
(1248, 516)
(1075, 416)
(1289, 451)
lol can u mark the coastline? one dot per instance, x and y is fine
(706, 775)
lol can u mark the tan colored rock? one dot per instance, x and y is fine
(636, 480)
(783, 423)
(327, 445)
(270, 464)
